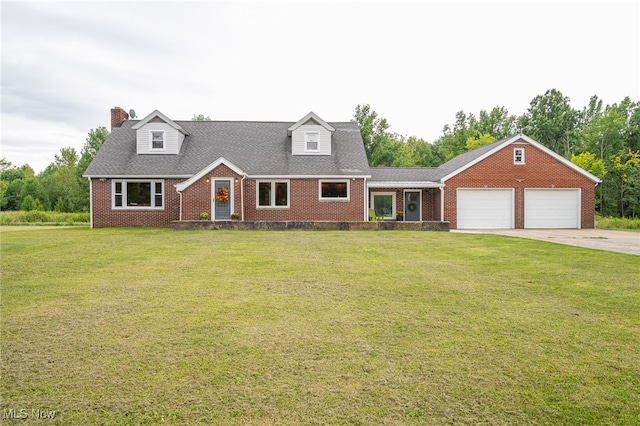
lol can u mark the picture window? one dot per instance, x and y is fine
(138, 194)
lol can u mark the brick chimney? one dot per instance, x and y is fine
(118, 115)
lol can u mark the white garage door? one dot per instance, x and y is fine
(552, 208)
(485, 208)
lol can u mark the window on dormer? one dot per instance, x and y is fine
(518, 156)
(157, 140)
(312, 141)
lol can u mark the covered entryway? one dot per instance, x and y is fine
(485, 208)
(222, 199)
(552, 208)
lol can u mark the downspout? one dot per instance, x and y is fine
(366, 200)
(244, 176)
(90, 203)
(442, 203)
(180, 215)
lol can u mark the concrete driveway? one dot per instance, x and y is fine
(618, 241)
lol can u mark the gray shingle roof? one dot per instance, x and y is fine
(400, 174)
(467, 157)
(258, 148)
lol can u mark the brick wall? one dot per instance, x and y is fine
(539, 171)
(197, 197)
(304, 203)
(104, 216)
(430, 201)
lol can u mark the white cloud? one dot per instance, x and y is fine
(65, 64)
(37, 141)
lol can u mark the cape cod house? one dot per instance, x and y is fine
(156, 171)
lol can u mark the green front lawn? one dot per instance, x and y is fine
(146, 326)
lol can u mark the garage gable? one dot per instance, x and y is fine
(467, 160)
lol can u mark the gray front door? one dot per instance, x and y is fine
(412, 206)
(222, 209)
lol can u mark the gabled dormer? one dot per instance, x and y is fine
(158, 134)
(311, 135)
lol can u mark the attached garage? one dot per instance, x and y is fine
(485, 208)
(552, 208)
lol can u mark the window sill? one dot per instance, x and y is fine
(336, 200)
(272, 207)
(138, 209)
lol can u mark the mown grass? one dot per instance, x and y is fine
(145, 326)
(37, 217)
(618, 223)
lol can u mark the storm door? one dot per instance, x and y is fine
(412, 206)
(222, 196)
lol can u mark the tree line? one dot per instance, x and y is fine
(59, 187)
(602, 139)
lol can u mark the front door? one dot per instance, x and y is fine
(222, 197)
(412, 206)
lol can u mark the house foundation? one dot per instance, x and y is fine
(202, 225)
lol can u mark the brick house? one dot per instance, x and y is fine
(155, 171)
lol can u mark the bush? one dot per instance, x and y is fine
(36, 217)
(617, 223)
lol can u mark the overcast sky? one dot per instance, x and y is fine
(66, 64)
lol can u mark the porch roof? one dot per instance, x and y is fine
(404, 177)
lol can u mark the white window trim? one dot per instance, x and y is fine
(515, 155)
(393, 202)
(339, 199)
(306, 140)
(124, 194)
(164, 141)
(273, 206)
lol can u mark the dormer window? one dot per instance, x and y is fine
(518, 156)
(312, 141)
(157, 140)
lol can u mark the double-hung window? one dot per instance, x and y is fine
(518, 156)
(273, 194)
(138, 194)
(157, 140)
(312, 141)
(334, 190)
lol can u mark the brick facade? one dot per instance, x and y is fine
(304, 202)
(430, 208)
(197, 197)
(106, 216)
(539, 171)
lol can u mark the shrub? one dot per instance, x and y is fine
(42, 217)
(617, 223)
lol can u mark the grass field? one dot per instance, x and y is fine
(146, 326)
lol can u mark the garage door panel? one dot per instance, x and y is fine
(485, 208)
(552, 208)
